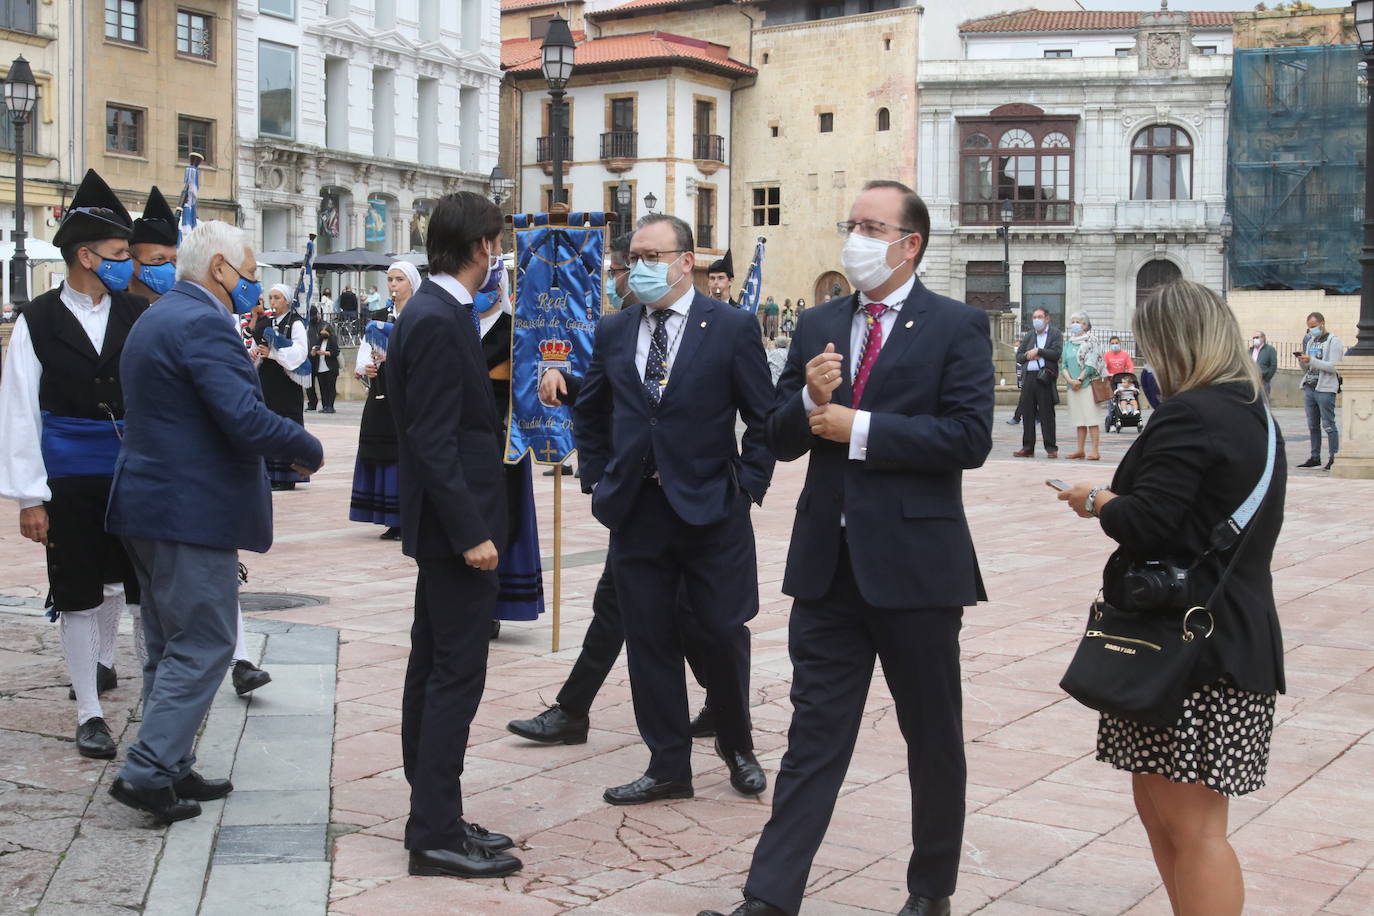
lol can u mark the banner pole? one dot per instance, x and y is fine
(557, 551)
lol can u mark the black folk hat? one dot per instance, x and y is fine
(95, 213)
(725, 265)
(158, 224)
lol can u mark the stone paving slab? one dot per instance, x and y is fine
(1049, 829)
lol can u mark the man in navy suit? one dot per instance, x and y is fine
(890, 392)
(190, 491)
(656, 430)
(453, 514)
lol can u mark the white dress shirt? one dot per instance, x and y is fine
(449, 284)
(674, 327)
(1034, 365)
(23, 476)
(858, 434)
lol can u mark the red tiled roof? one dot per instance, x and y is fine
(637, 6)
(523, 56)
(1080, 21)
(526, 4)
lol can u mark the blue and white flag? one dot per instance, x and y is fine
(190, 193)
(753, 282)
(306, 285)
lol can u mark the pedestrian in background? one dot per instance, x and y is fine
(1321, 350)
(1192, 468)
(1265, 357)
(1117, 359)
(1039, 353)
(1082, 362)
(325, 362)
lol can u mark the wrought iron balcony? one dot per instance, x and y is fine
(544, 148)
(620, 144)
(710, 147)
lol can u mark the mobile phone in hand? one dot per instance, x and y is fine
(1059, 485)
(1297, 353)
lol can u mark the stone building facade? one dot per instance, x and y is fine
(354, 117)
(1110, 143)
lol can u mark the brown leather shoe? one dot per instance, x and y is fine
(1054, 454)
(1023, 453)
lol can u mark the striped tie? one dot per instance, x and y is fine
(871, 347)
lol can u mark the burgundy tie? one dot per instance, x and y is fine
(872, 346)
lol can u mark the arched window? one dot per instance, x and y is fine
(884, 119)
(1152, 275)
(1022, 156)
(1162, 164)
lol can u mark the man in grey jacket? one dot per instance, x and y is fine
(1321, 350)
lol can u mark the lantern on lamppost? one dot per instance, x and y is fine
(558, 53)
(21, 95)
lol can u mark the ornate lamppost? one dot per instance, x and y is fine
(623, 194)
(650, 201)
(558, 53)
(21, 94)
(1004, 231)
(501, 186)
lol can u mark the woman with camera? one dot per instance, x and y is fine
(1204, 460)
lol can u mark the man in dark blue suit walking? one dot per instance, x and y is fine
(453, 514)
(190, 490)
(890, 392)
(656, 430)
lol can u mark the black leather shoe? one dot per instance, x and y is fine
(647, 789)
(470, 862)
(1330, 461)
(195, 787)
(248, 677)
(704, 725)
(480, 836)
(746, 776)
(751, 906)
(1311, 463)
(93, 739)
(925, 906)
(554, 725)
(162, 804)
(495, 629)
(105, 679)
(391, 534)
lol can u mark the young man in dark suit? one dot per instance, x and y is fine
(655, 425)
(890, 393)
(453, 514)
(1038, 354)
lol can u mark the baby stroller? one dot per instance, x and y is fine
(1119, 411)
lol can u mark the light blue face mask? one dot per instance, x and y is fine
(159, 278)
(1076, 328)
(1116, 348)
(649, 281)
(613, 296)
(1038, 324)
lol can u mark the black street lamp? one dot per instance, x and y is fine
(21, 94)
(501, 186)
(558, 52)
(1364, 337)
(1004, 231)
(650, 201)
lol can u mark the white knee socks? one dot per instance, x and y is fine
(240, 647)
(108, 614)
(81, 646)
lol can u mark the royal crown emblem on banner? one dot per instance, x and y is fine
(555, 354)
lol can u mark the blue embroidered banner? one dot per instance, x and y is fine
(558, 296)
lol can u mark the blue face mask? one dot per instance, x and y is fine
(1038, 324)
(159, 278)
(613, 296)
(115, 274)
(245, 293)
(494, 269)
(1315, 331)
(649, 281)
(1116, 348)
(1076, 328)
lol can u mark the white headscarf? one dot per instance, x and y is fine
(287, 292)
(412, 274)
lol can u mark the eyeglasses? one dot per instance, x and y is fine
(869, 227)
(617, 271)
(653, 257)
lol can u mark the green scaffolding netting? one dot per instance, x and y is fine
(1295, 169)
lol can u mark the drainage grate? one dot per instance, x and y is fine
(277, 601)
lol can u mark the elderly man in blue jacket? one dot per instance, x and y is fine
(190, 490)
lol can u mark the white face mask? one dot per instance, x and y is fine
(865, 261)
(1254, 341)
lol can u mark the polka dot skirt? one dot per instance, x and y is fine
(1221, 741)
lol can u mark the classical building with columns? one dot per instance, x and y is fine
(1110, 144)
(354, 117)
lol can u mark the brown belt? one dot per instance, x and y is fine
(500, 372)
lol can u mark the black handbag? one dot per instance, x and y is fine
(1139, 664)
(1046, 376)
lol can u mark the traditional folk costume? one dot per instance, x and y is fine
(283, 384)
(520, 569)
(61, 420)
(376, 493)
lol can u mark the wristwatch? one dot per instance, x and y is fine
(1091, 502)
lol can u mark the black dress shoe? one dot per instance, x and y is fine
(704, 725)
(391, 534)
(480, 836)
(647, 789)
(1311, 463)
(746, 776)
(93, 739)
(925, 906)
(470, 862)
(195, 787)
(105, 679)
(554, 725)
(1330, 461)
(162, 804)
(495, 629)
(248, 677)
(751, 906)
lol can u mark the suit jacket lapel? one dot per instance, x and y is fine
(628, 343)
(841, 330)
(699, 320)
(905, 329)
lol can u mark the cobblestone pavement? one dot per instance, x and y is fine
(1049, 829)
